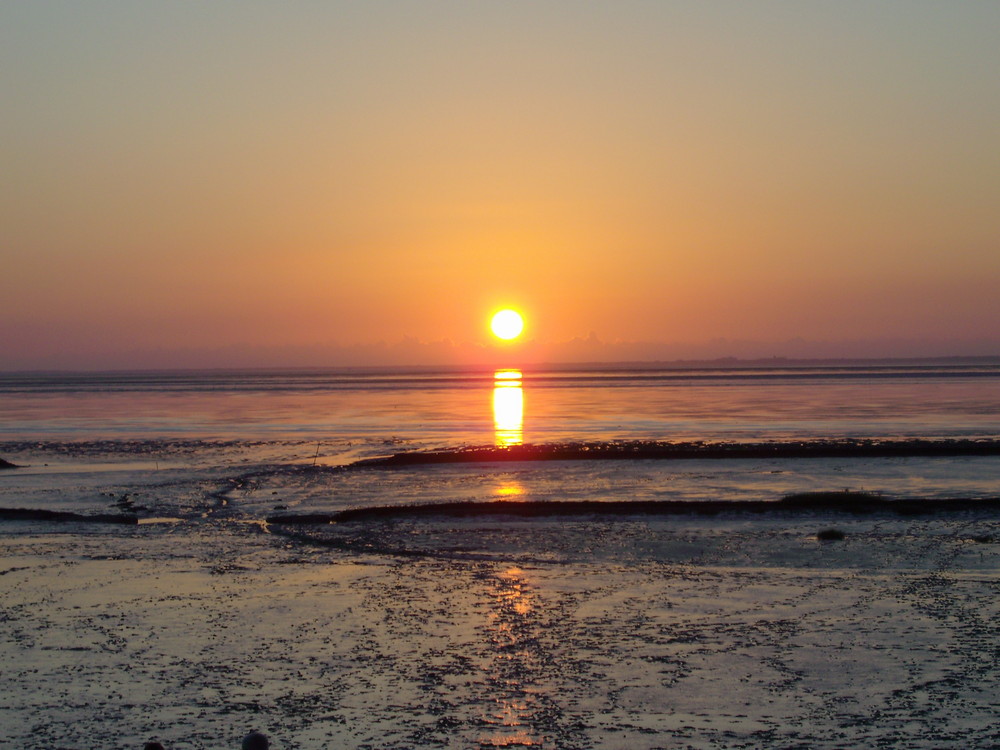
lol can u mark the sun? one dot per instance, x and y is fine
(507, 325)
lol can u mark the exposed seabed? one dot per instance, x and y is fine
(665, 450)
(475, 625)
(739, 631)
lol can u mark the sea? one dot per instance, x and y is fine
(82, 438)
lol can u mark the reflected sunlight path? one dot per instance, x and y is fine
(508, 408)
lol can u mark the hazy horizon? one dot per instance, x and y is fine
(241, 184)
(446, 356)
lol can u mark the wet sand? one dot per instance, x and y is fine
(732, 631)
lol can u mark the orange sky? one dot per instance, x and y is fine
(257, 183)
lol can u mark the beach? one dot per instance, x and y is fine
(736, 631)
(164, 578)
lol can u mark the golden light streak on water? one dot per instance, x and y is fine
(508, 408)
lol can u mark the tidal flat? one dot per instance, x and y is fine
(201, 619)
(734, 631)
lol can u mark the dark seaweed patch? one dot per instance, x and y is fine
(35, 514)
(852, 503)
(645, 449)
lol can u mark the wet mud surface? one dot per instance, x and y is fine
(738, 633)
(667, 450)
(201, 621)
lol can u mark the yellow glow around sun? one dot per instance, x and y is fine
(507, 324)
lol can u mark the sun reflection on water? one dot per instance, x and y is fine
(518, 703)
(508, 408)
(513, 593)
(509, 489)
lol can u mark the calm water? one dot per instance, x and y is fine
(170, 438)
(457, 408)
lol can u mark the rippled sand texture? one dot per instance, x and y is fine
(725, 632)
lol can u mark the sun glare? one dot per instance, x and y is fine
(508, 408)
(507, 324)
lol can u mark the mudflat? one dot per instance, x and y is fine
(736, 630)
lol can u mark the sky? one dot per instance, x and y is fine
(331, 183)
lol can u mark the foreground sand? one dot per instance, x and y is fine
(725, 632)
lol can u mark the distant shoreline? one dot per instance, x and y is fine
(602, 365)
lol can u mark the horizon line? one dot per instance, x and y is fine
(726, 362)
